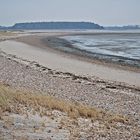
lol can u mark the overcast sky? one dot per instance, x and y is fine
(103, 12)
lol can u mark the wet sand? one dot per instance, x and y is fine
(37, 50)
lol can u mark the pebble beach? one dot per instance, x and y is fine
(112, 96)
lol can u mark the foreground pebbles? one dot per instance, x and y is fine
(56, 125)
(111, 96)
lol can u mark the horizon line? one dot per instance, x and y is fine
(116, 25)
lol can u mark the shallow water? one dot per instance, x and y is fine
(120, 47)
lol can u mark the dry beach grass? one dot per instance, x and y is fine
(17, 102)
(10, 97)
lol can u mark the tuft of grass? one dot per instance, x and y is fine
(10, 100)
(118, 118)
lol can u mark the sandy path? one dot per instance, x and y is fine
(66, 64)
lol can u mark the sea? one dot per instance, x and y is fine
(116, 46)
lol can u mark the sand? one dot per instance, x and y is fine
(65, 63)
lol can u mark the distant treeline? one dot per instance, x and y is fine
(54, 25)
(64, 25)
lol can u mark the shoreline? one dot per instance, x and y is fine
(43, 48)
(50, 42)
(107, 71)
(65, 63)
(66, 47)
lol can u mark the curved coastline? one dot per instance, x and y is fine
(54, 43)
(38, 51)
(65, 46)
